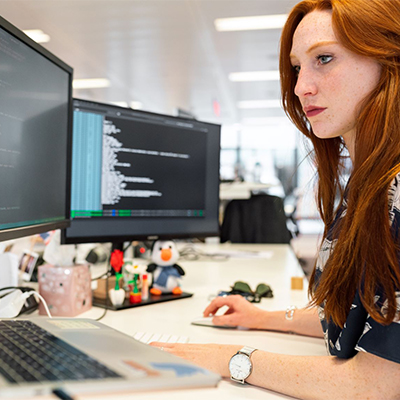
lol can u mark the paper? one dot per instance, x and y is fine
(244, 254)
(57, 254)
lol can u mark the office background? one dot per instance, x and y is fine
(169, 56)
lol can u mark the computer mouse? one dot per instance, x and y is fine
(207, 321)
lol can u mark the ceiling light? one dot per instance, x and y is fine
(266, 121)
(276, 103)
(136, 105)
(250, 23)
(90, 83)
(37, 35)
(253, 76)
(120, 103)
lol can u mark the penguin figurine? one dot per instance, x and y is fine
(166, 273)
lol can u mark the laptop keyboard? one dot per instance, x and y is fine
(29, 353)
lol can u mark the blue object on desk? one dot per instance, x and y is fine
(179, 369)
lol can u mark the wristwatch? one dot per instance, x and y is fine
(240, 365)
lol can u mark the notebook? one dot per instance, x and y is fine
(39, 355)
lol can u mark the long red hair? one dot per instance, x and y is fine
(365, 256)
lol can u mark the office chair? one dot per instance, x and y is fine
(260, 219)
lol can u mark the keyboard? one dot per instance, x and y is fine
(29, 353)
(146, 337)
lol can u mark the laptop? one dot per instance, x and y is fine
(82, 356)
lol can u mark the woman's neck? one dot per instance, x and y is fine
(349, 140)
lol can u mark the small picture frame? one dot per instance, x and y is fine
(27, 264)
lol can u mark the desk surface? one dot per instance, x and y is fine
(205, 278)
(241, 190)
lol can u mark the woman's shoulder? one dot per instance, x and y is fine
(394, 189)
(394, 197)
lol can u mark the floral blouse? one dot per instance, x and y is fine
(361, 332)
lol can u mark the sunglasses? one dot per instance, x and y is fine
(244, 290)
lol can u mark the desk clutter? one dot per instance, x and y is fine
(67, 288)
(101, 300)
(138, 285)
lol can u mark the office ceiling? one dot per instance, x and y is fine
(165, 54)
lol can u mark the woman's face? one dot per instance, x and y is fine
(332, 81)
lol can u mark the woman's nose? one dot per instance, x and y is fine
(305, 85)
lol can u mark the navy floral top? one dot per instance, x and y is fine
(361, 332)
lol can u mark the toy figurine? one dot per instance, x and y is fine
(166, 274)
(130, 268)
(117, 295)
(134, 295)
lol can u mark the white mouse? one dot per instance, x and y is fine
(207, 321)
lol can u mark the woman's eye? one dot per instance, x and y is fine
(323, 59)
(296, 69)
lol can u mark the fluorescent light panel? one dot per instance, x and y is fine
(250, 23)
(120, 103)
(136, 105)
(266, 121)
(90, 83)
(275, 103)
(254, 76)
(37, 35)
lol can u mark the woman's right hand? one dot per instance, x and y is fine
(240, 312)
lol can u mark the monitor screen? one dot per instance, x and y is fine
(35, 136)
(141, 176)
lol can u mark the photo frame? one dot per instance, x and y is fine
(27, 264)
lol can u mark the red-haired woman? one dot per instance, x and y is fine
(340, 79)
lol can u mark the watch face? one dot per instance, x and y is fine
(240, 366)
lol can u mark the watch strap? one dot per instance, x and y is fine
(247, 350)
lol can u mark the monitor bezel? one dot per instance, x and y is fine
(156, 236)
(28, 230)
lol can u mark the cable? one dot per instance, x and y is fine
(192, 253)
(28, 294)
(22, 288)
(62, 394)
(127, 247)
(99, 277)
(107, 298)
(108, 273)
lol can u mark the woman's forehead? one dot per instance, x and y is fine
(315, 27)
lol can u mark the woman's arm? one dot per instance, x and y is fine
(362, 377)
(242, 313)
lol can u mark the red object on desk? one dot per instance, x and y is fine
(135, 298)
(117, 260)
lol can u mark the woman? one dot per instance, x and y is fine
(340, 78)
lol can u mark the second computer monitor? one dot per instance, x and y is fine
(139, 175)
(35, 136)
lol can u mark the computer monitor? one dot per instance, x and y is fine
(35, 136)
(141, 176)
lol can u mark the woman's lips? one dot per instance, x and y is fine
(312, 112)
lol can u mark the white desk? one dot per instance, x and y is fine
(242, 190)
(205, 278)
